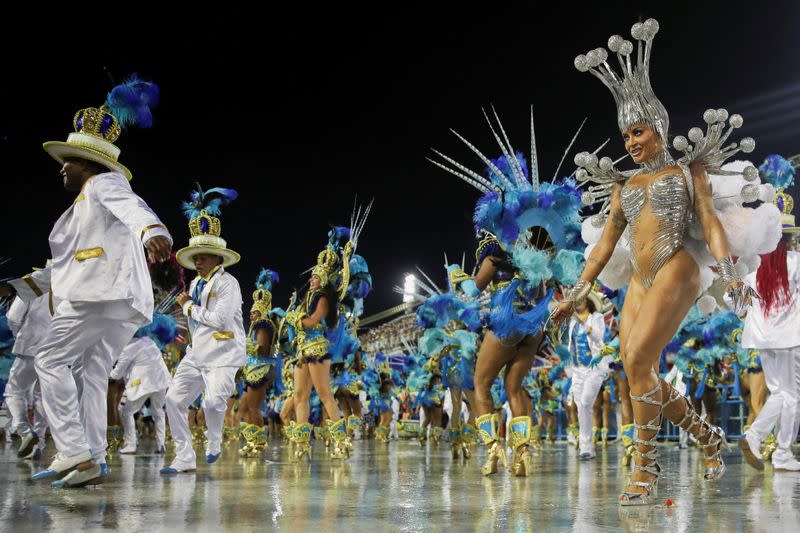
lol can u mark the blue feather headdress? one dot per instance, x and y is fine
(209, 201)
(777, 171)
(338, 236)
(266, 278)
(131, 102)
(515, 207)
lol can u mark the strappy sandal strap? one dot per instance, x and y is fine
(647, 397)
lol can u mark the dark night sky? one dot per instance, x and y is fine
(302, 111)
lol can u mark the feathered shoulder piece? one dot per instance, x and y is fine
(209, 201)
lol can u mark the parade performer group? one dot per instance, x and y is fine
(589, 291)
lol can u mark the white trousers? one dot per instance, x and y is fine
(586, 383)
(217, 384)
(76, 355)
(782, 374)
(21, 380)
(128, 408)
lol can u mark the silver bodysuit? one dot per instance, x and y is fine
(668, 200)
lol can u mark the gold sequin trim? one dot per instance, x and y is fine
(90, 253)
(148, 228)
(32, 284)
(222, 335)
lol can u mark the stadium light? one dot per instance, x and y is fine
(409, 288)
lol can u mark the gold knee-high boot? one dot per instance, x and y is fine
(519, 436)
(488, 429)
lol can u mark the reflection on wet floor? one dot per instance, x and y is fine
(399, 487)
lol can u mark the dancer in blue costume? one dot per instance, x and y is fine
(260, 372)
(530, 238)
(312, 323)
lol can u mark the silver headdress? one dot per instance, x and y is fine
(636, 104)
(636, 101)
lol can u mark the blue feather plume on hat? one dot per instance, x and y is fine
(131, 102)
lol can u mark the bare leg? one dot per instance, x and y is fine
(758, 391)
(516, 370)
(302, 392)
(252, 399)
(455, 396)
(471, 399)
(287, 411)
(597, 411)
(354, 405)
(656, 313)
(624, 398)
(492, 356)
(321, 378)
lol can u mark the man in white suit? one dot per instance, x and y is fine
(214, 309)
(29, 322)
(100, 278)
(146, 376)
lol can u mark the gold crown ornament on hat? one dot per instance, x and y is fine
(205, 228)
(262, 296)
(326, 266)
(98, 128)
(785, 203)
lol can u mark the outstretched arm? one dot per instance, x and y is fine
(598, 258)
(706, 215)
(739, 294)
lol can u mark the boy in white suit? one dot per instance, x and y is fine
(214, 309)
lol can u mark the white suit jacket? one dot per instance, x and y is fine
(97, 249)
(216, 325)
(29, 322)
(142, 366)
(596, 327)
(779, 330)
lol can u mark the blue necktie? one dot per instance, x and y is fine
(198, 291)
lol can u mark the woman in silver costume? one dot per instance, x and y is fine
(657, 204)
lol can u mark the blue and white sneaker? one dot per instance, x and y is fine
(173, 470)
(80, 478)
(62, 464)
(212, 457)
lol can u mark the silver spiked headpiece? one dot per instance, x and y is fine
(633, 94)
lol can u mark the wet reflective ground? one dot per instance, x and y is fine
(399, 487)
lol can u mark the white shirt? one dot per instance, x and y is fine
(97, 249)
(142, 366)
(216, 324)
(595, 328)
(29, 322)
(781, 329)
